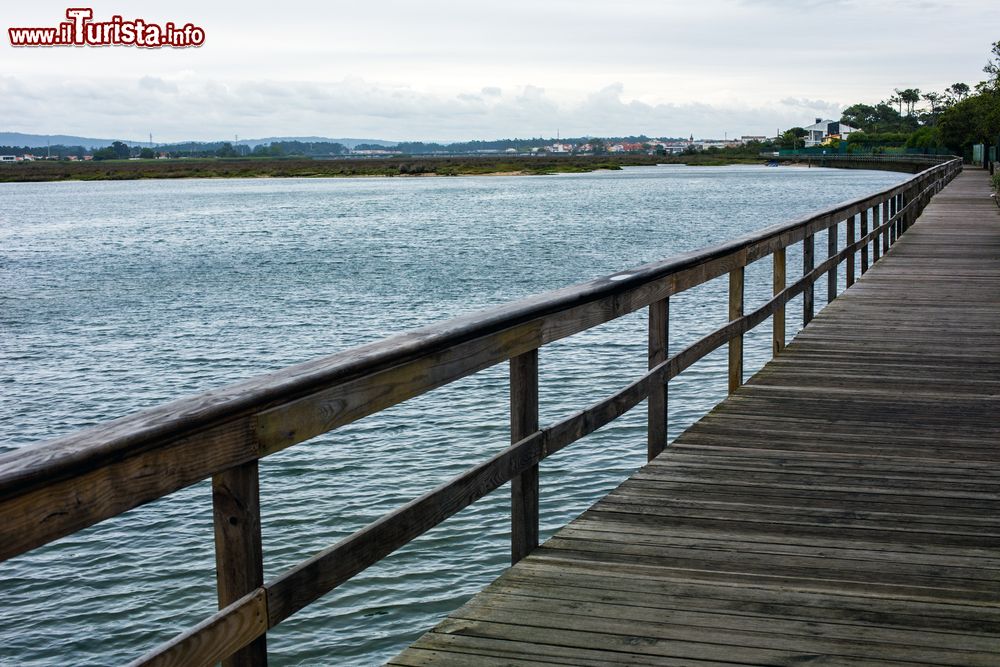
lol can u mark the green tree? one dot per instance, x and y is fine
(792, 138)
(992, 68)
(897, 99)
(887, 117)
(911, 97)
(925, 137)
(861, 116)
(938, 103)
(957, 92)
(226, 150)
(121, 150)
(147, 154)
(974, 120)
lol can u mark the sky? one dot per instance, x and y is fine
(480, 69)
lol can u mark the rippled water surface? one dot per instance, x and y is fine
(118, 296)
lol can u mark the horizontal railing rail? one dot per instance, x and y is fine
(56, 488)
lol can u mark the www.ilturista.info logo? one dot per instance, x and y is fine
(81, 30)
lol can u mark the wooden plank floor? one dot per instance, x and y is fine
(841, 508)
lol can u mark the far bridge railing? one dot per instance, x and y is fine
(62, 486)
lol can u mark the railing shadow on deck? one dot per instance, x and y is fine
(59, 487)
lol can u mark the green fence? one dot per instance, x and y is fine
(861, 149)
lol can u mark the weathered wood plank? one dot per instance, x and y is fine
(777, 286)
(831, 251)
(218, 636)
(523, 487)
(658, 351)
(864, 235)
(735, 343)
(239, 559)
(808, 250)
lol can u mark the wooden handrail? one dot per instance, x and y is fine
(56, 488)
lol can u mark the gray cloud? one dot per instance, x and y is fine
(194, 108)
(156, 84)
(525, 68)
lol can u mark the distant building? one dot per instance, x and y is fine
(748, 138)
(823, 131)
(705, 144)
(375, 151)
(626, 147)
(8, 158)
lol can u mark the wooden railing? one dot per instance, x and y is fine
(62, 486)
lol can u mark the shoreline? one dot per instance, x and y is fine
(188, 168)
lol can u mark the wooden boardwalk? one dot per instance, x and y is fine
(842, 507)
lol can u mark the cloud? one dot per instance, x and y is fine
(192, 107)
(156, 84)
(822, 107)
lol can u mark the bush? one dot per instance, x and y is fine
(925, 137)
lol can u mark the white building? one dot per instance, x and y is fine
(822, 130)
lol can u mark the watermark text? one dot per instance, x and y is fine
(81, 30)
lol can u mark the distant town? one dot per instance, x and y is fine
(822, 131)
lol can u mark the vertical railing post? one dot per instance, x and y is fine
(831, 250)
(886, 215)
(913, 196)
(736, 344)
(851, 254)
(864, 248)
(523, 422)
(899, 219)
(877, 241)
(239, 562)
(778, 284)
(808, 263)
(893, 208)
(659, 344)
(903, 201)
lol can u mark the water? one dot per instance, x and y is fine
(118, 296)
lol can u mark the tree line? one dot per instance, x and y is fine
(956, 118)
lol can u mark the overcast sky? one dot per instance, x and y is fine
(438, 70)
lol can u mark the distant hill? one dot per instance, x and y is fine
(21, 139)
(350, 143)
